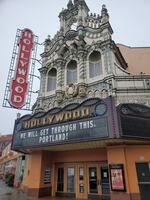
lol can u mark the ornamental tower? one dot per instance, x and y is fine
(82, 61)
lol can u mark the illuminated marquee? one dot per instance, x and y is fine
(19, 84)
(73, 123)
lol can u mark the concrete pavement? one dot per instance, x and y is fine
(10, 193)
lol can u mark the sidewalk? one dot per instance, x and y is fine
(10, 193)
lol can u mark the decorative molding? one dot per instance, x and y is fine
(82, 90)
(71, 91)
(60, 96)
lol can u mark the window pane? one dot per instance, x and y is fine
(81, 173)
(72, 72)
(95, 67)
(60, 180)
(91, 70)
(71, 77)
(98, 69)
(70, 180)
(51, 83)
(74, 78)
(81, 178)
(93, 180)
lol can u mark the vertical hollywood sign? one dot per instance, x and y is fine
(19, 84)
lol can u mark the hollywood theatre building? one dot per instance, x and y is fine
(88, 135)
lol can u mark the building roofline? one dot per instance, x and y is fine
(131, 47)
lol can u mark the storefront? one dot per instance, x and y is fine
(79, 173)
(87, 150)
(82, 179)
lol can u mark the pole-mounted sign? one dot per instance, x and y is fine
(19, 83)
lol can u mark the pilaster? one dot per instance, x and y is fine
(43, 72)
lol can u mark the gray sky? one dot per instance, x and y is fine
(129, 20)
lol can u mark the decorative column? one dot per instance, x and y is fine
(43, 72)
(81, 66)
(39, 103)
(60, 63)
(82, 74)
(107, 59)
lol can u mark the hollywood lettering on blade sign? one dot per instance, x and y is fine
(19, 84)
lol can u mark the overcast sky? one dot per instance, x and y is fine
(130, 21)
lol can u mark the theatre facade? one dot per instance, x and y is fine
(88, 136)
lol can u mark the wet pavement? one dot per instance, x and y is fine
(10, 193)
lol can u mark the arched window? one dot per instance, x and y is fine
(72, 72)
(51, 82)
(95, 64)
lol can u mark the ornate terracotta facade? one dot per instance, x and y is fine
(81, 34)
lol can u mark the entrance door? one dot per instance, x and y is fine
(65, 180)
(143, 174)
(93, 180)
(82, 180)
(105, 180)
(98, 181)
(81, 192)
(60, 179)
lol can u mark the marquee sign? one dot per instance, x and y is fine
(134, 120)
(90, 120)
(19, 84)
